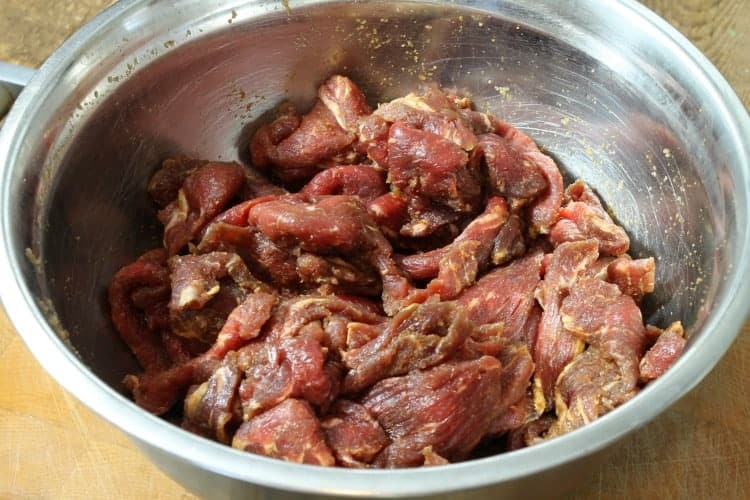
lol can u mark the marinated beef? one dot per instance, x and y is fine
(281, 317)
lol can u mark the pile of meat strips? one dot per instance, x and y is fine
(392, 288)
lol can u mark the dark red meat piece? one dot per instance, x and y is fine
(354, 436)
(420, 336)
(274, 263)
(210, 407)
(332, 223)
(288, 367)
(606, 374)
(599, 312)
(389, 211)
(336, 275)
(424, 164)
(509, 173)
(429, 218)
(509, 242)
(295, 158)
(663, 353)
(238, 214)
(483, 230)
(584, 217)
(346, 102)
(158, 391)
(203, 195)
(364, 181)
(506, 295)
(449, 407)
(555, 347)
(243, 324)
(326, 133)
(518, 367)
(292, 358)
(205, 289)
(269, 261)
(289, 431)
(373, 138)
(167, 181)
(147, 272)
(432, 111)
(544, 210)
(293, 314)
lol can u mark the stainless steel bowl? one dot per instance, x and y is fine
(617, 96)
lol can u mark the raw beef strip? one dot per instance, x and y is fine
(158, 390)
(634, 277)
(509, 173)
(289, 367)
(210, 407)
(335, 224)
(294, 313)
(330, 275)
(147, 272)
(289, 431)
(364, 181)
(432, 111)
(424, 164)
(203, 195)
(663, 353)
(544, 210)
(583, 217)
(294, 147)
(449, 407)
(509, 242)
(353, 434)
(205, 289)
(555, 347)
(420, 336)
(506, 295)
(390, 212)
(606, 374)
(243, 324)
(167, 181)
(483, 230)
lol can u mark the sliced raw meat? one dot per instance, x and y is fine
(449, 407)
(210, 407)
(510, 174)
(506, 295)
(147, 272)
(583, 217)
(364, 181)
(355, 437)
(555, 347)
(205, 289)
(203, 195)
(289, 431)
(663, 353)
(420, 336)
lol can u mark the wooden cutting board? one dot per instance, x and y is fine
(51, 446)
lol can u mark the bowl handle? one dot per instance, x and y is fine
(13, 79)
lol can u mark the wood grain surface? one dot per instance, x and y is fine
(51, 446)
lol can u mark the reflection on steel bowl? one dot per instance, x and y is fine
(611, 92)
